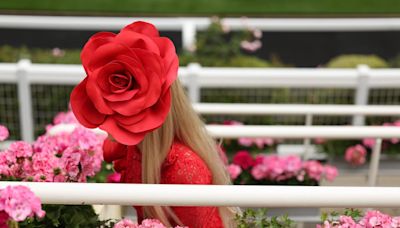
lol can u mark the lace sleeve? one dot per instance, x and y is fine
(183, 166)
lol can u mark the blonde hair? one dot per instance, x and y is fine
(184, 124)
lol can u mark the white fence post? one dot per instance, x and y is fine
(362, 92)
(25, 100)
(188, 35)
(374, 163)
(193, 85)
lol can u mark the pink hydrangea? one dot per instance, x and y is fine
(234, 171)
(19, 202)
(21, 149)
(369, 142)
(356, 155)
(373, 219)
(126, 223)
(151, 223)
(3, 133)
(314, 169)
(330, 172)
(259, 172)
(243, 159)
(395, 222)
(65, 118)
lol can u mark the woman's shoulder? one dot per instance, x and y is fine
(185, 166)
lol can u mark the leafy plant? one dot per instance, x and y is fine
(251, 218)
(71, 216)
(352, 61)
(218, 47)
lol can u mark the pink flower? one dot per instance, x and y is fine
(347, 220)
(395, 222)
(319, 141)
(314, 169)
(330, 172)
(126, 223)
(234, 171)
(4, 217)
(293, 163)
(3, 133)
(20, 149)
(369, 142)
(114, 178)
(356, 155)
(259, 172)
(65, 118)
(247, 142)
(251, 46)
(373, 219)
(243, 159)
(151, 223)
(19, 202)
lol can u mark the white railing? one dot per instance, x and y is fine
(213, 195)
(195, 77)
(190, 25)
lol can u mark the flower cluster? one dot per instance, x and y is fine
(66, 157)
(147, 223)
(357, 155)
(18, 203)
(371, 219)
(274, 169)
(252, 40)
(259, 143)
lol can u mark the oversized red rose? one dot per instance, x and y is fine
(127, 88)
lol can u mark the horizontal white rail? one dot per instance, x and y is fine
(212, 77)
(213, 195)
(177, 23)
(295, 109)
(301, 132)
(292, 132)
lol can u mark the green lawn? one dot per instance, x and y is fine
(206, 7)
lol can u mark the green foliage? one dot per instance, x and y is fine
(334, 215)
(71, 216)
(217, 47)
(351, 61)
(38, 55)
(101, 176)
(251, 218)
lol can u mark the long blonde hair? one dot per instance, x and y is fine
(184, 124)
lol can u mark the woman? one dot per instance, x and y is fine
(156, 137)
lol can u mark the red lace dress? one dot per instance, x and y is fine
(182, 166)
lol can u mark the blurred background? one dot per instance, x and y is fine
(340, 53)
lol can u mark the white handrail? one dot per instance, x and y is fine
(225, 77)
(288, 132)
(213, 195)
(295, 109)
(301, 132)
(177, 23)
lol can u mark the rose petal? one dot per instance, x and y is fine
(133, 39)
(108, 53)
(93, 43)
(83, 108)
(143, 28)
(120, 134)
(96, 96)
(154, 117)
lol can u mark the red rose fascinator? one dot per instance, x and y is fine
(127, 88)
